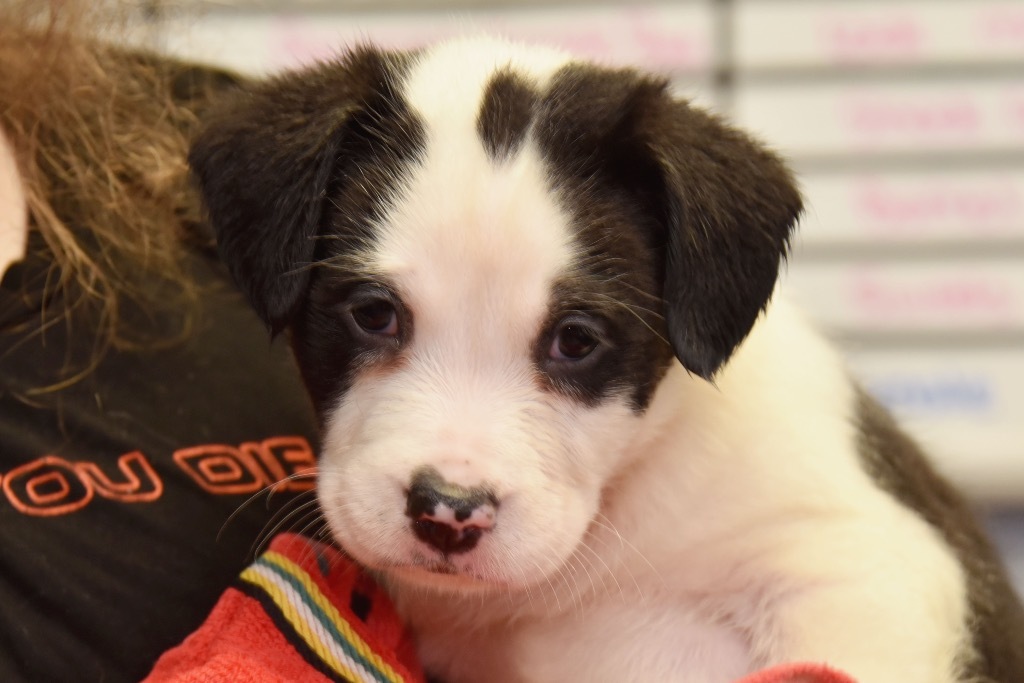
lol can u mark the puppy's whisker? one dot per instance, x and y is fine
(316, 519)
(321, 537)
(567, 586)
(554, 591)
(603, 574)
(238, 510)
(269, 490)
(623, 565)
(653, 297)
(529, 589)
(624, 542)
(300, 526)
(271, 529)
(310, 474)
(608, 570)
(572, 586)
(579, 561)
(631, 310)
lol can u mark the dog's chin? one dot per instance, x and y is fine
(425, 572)
(440, 576)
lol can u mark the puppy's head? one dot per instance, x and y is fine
(487, 257)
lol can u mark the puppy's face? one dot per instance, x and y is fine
(487, 258)
(493, 358)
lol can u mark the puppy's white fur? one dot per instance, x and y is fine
(725, 528)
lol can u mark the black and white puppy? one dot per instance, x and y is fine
(530, 299)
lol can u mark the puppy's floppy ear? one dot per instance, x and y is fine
(729, 208)
(722, 206)
(264, 160)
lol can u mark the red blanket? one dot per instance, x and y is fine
(303, 613)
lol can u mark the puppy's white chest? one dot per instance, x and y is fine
(605, 642)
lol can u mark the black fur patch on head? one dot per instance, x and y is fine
(681, 222)
(631, 357)
(602, 178)
(293, 172)
(265, 160)
(897, 464)
(329, 350)
(713, 210)
(614, 282)
(384, 140)
(506, 113)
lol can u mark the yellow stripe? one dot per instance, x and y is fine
(298, 623)
(332, 613)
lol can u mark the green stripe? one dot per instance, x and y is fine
(324, 619)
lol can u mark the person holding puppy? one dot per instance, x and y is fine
(150, 438)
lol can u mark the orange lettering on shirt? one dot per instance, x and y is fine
(46, 487)
(290, 461)
(222, 469)
(141, 485)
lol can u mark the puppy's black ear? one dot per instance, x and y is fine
(264, 160)
(729, 208)
(722, 205)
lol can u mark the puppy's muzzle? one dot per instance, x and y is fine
(447, 516)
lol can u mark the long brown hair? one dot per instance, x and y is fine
(100, 134)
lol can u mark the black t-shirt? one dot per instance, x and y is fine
(117, 492)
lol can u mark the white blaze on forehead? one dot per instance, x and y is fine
(447, 83)
(474, 244)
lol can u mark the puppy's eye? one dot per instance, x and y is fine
(377, 317)
(573, 342)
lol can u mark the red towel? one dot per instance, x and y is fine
(798, 673)
(301, 612)
(304, 613)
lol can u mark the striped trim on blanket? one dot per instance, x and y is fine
(322, 628)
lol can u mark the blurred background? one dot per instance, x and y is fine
(903, 118)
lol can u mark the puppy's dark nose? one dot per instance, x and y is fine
(447, 516)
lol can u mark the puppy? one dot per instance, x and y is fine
(561, 422)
